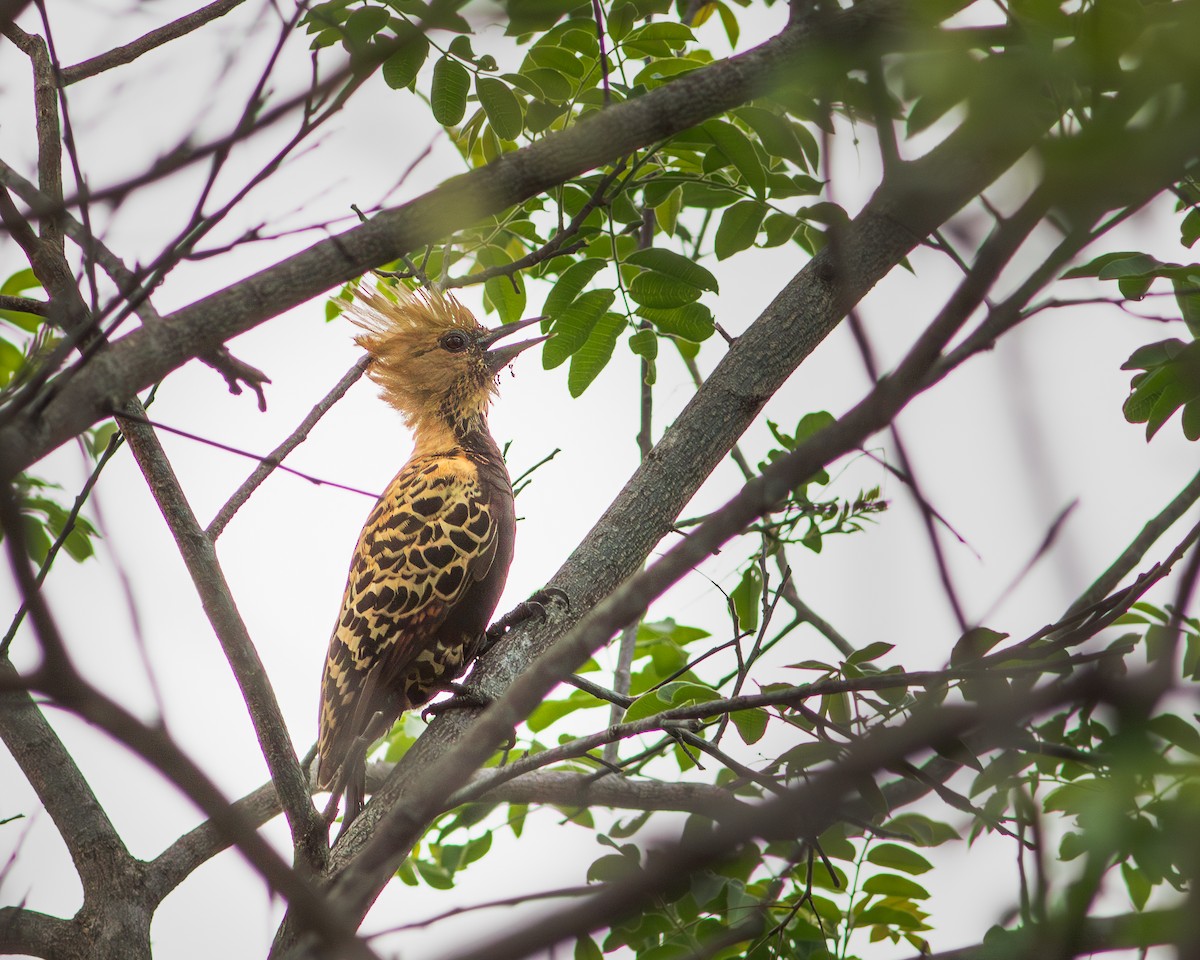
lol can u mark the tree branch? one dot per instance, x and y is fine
(129, 52)
(94, 845)
(200, 557)
(1132, 555)
(392, 831)
(86, 393)
(25, 931)
(804, 811)
(276, 456)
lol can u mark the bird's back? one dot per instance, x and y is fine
(426, 576)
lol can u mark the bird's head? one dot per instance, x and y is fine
(433, 360)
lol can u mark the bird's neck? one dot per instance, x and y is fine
(447, 433)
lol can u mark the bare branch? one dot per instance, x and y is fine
(25, 931)
(199, 554)
(95, 847)
(150, 41)
(276, 456)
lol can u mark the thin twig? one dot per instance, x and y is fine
(275, 457)
(150, 41)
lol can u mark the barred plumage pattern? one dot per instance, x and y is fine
(433, 556)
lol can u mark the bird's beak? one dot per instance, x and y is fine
(501, 357)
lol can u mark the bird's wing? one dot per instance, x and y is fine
(429, 538)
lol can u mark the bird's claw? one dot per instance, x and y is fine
(535, 606)
(463, 699)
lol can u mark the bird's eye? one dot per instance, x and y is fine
(454, 342)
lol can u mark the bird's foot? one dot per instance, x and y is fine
(464, 699)
(535, 606)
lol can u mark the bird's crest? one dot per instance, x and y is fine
(403, 332)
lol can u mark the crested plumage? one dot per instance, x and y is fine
(432, 559)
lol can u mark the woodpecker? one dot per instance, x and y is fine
(433, 556)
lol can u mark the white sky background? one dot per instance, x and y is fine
(1001, 448)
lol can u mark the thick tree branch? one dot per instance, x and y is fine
(36, 934)
(393, 831)
(94, 845)
(84, 394)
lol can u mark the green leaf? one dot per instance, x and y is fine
(1175, 730)
(673, 37)
(896, 857)
(402, 67)
(477, 849)
(550, 711)
(974, 644)
(666, 212)
(587, 949)
(644, 343)
(1189, 230)
(19, 282)
(502, 107)
(11, 360)
(921, 830)
(78, 544)
(364, 23)
(692, 321)
(780, 228)
(435, 875)
(674, 265)
(663, 68)
(746, 598)
(1135, 265)
(593, 356)
(516, 817)
(1093, 267)
(570, 284)
(611, 868)
(729, 22)
(621, 20)
(37, 541)
(891, 885)
(448, 96)
(872, 651)
(407, 875)
(574, 324)
(553, 57)
(648, 705)
(1187, 295)
(658, 631)
(751, 724)
(652, 289)
(739, 151)
(15, 286)
(1191, 420)
(776, 133)
(739, 227)
(554, 86)
(507, 295)
(1137, 884)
